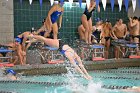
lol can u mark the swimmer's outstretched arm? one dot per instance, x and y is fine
(83, 68)
(85, 71)
(79, 70)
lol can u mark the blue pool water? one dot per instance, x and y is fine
(69, 83)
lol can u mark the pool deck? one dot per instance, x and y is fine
(43, 69)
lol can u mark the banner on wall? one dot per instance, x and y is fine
(40, 1)
(112, 4)
(97, 3)
(126, 2)
(88, 3)
(70, 1)
(134, 5)
(80, 3)
(51, 2)
(30, 1)
(104, 4)
(120, 4)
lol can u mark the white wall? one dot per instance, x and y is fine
(136, 13)
(6, 21)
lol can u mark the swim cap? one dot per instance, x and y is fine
(17, 40)
(10, 71)
(98, 19)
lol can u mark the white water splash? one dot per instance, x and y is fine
(94, 88)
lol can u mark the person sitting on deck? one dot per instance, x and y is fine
(97, 33)
(66, 50)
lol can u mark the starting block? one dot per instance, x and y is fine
(4, 51)
(6, 65)
(98, 59)
(55, 61)
(131, 50)
(98, 53)
(53, 55)
(134, 56)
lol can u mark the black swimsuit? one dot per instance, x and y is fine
(97, 33)
(87, 13)
(42, 33)
(107, 38)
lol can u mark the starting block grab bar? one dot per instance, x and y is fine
(131, 48)
(53, 54)
(2, 50)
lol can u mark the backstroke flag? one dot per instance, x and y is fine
(51, 1)
(80, 3)
(61, 2)
(134, 5)
(104, 4)
(20, 1)
(120, 4)
(30, 1)
(97, 3)
(139, 3)
(112, 4)
(40, 1)
(126, 2)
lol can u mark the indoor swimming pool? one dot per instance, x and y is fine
(104, 81)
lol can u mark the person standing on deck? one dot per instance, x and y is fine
(86, 20)
(134, 23)
(119, 31)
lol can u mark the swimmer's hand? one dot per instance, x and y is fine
(30, 36)
(87, 77)
(59, 26)
(130, 18)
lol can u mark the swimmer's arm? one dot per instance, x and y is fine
(132, 24)
(80, 71)
(98, 9)
(113, 34)
(125, 33)
(50, 12)
(102, 34)
(91, 8)
(39, 30)
(93, 29)
(60, 18)
(24, 42)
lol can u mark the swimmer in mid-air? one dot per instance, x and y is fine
(66, 50)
